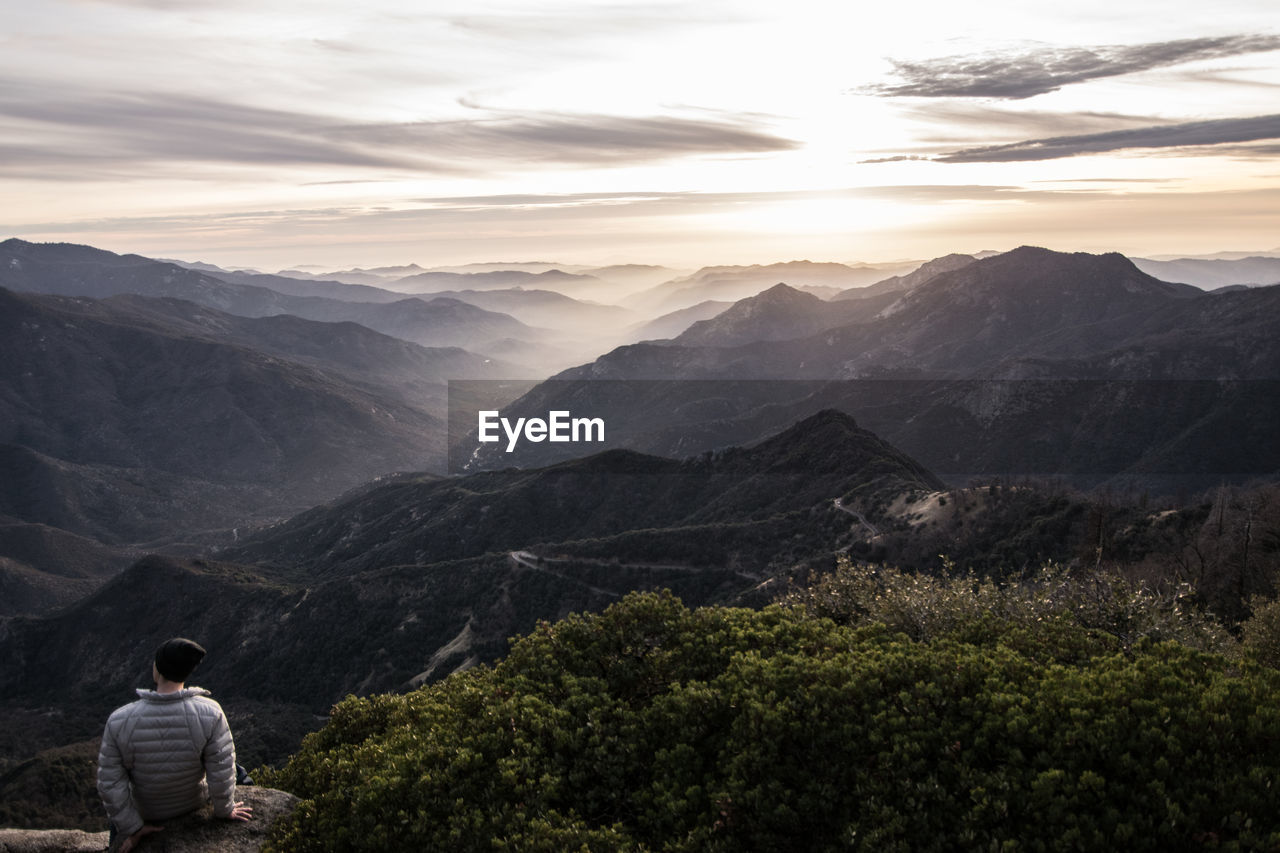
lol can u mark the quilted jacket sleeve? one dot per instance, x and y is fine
(220, 766)
(113, 785)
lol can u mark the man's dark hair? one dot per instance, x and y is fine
(177, 658)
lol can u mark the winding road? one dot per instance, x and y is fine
(872, 530)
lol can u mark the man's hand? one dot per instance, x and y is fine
(240, 811)
(132, 841)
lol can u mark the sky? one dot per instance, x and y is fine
(282, 133)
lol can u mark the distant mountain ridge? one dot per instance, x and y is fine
(824, 456)
(546, 309)
(1030, 315)
(137, 419)
(738, 282)
(71, 270)
(415, 373)
(907, 281)
(1014, 305)
(554, 279)
(414, 578)
(672, 324)
(1211, 273)
(777, 314)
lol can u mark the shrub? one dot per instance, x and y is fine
(654, 727)
(926, 606)
(1260, 633)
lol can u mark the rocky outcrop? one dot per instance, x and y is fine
(198, 832)
(51, 841)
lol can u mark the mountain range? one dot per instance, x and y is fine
(777, 314)
(673, 323)
(1212, 273)
(139, 422)
(738, 282)
(189, 417)
(280, 441)
(427, 520)
(978, 368)
(71, 270)
(415, 577)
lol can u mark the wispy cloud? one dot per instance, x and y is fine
(590, 206)
(495, 226)
(79, 135)
(166, 5)
(952, 121)
(571, 139)
(1015, 76)
(897, 158)
(1186, 135)
(553, 22)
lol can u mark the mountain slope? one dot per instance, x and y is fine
(545, 308)
(914, 374)
(570, 284)
(1027, 303)
(84, 387)
(353, 598)
(395, 367)
(779, 313)
(71, 270)
(43, 569)
(1211, 273)
(428, 520)
(736, 282)
(907, 281)
(675, 322)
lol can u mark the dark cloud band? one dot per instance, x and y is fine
(1024, 75)
(569, 139)
(94, 134)
(1193, 134)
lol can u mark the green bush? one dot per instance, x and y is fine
(924, 606)
(1260, 633)
(653, 727)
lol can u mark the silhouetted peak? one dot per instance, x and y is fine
(1041, 255)
(826, 423)
(615, 461)
(1033, 270)
(783, 291)
(831, 441)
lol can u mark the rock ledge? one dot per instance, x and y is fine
(198, 832)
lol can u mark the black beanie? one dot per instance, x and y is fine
(177, 658)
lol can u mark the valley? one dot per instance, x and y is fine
(626, 427)
(288, 466)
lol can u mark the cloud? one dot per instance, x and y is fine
(898, 158)
(94, 135)
(661, 227)
(1192, 134)
(954, 121)
(553, 23)
(162, 5)
(1036, 72)
(587, 205)
(572, 138)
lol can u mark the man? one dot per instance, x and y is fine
(167, 753)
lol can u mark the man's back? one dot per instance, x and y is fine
(156, 753)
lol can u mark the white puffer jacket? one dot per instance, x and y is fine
(156, 754)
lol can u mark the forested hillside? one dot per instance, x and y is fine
(1044, 726)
